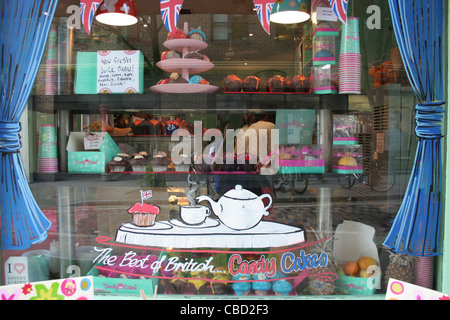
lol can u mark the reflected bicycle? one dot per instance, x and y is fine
(296, 183)
(377, 177)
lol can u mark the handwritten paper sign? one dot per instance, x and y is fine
(119, 72)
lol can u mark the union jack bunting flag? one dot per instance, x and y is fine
(170, 11)
(263, 10)
(146, 194)
(87, 12)
(340, 9)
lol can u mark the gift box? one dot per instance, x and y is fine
(325, 79)
(324, 50)
(324, 20)
(81, 160)
(345, 129)
(354, 244)
(347, 159)
(121, 283)
(301, 159)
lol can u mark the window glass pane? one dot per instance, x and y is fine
(149, 177)
(220, 31)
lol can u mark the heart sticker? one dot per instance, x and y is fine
(19, 267)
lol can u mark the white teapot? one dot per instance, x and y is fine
(239, 209)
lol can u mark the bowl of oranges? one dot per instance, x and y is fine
(360, 277)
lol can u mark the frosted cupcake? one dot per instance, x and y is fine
(139, 163)
(177, 284)
(197, 283)
(220, 285)
(118, 164)
(160, 162)
(261, 287)
(182, 167)
(281, 287)
(197, 34)
(241, 288)
(144, 215)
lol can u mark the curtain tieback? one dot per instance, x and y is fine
(429, 120)
(10, 137)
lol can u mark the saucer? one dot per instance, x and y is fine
(208, 223)
(157, 226)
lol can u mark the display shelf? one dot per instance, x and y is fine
(181, 65)
(170, 234)
(185, 45)
(184, 88)
(109, 103)
(185, 66)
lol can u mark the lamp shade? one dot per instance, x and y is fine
(117, 13)
(290, 11)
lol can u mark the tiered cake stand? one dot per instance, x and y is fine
(185, 67)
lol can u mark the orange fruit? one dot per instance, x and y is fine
(351, 268)
(365, 262)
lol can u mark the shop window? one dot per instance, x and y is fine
(344, 161)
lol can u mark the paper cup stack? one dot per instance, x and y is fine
(47, 155)
(51, 63)
(350, 59)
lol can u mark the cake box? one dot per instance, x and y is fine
(354, 240)
(301, 159)
(347, 159)
(345, 129)
(105, 283)
(80, 160)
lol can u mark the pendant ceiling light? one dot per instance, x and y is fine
(117, 13)
(290, 11)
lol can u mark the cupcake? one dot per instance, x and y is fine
(175, 78)
(261, 287)
(163, 81)
(347, 162)
(300, 83)
(169, 54)
(232, 83)
(197, 34)
(197, 282)
(288, 85)
(194, 55)
(144, 215)
(182, 167)
(276, 84)
(176, 34)
(220, 285)
(196, 79)
(177, 284)
(281, 287)
(251, 84)
(144, 154)
(160, 162)
(139, 163)
(118, 164)
(241, 288)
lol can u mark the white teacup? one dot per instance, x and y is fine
(194, 215)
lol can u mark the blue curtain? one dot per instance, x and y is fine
(419, 26)
(25, 25)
